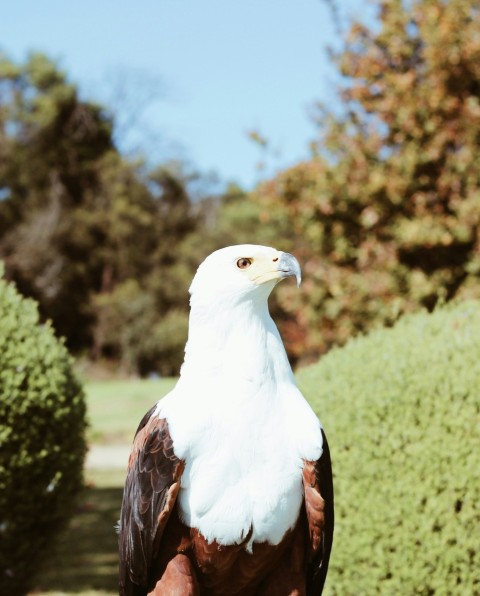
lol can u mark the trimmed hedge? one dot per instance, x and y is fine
(42, 445)
(401, 408)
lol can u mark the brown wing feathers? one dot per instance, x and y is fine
(151, 488)
(318, 485)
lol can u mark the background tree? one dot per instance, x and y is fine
(95, 238)
(386, 216)
(142, 305)
(51, 144)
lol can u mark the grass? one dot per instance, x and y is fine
(84, 560)
(116, 407)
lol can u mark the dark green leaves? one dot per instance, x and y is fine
(42, 444)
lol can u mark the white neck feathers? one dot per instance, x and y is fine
(237, 340)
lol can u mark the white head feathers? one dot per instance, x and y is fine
(241, 271)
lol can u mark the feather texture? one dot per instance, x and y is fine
(151, 488)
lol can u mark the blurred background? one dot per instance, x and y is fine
(135, 138)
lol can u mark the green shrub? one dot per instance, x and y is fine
(401, 408)
(42, 446)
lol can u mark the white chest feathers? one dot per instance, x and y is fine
(244, 460)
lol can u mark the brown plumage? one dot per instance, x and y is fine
(162, 556)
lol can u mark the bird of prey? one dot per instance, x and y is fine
(229, 484)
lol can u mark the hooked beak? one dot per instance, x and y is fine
(289, 266)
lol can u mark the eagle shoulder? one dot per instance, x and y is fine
(150, 493)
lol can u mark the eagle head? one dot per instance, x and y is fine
(241, 272)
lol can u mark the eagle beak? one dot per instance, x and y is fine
(288, 265)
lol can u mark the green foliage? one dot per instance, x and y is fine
(42, 446)
(401, 408)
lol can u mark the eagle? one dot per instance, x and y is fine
(229, 483)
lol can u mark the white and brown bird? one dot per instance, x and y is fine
(229, 486)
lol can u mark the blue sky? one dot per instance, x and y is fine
(203, 72)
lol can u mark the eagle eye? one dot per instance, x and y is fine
(244, 263)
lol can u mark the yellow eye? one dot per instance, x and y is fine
(244, 263)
